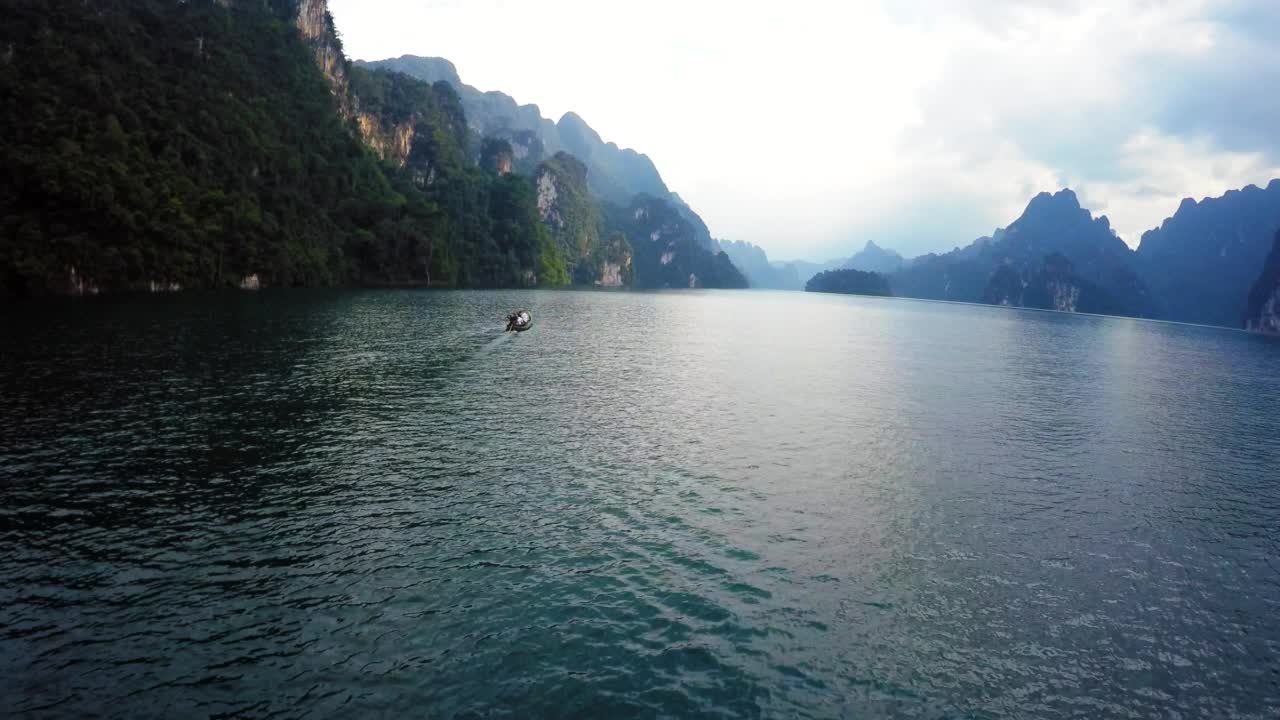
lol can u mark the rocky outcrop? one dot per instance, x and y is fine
(1006, 287)
(316, 26)
(570, 212)
(392, 144)
(497, 156)
(1063, 296)
(614, 260)
(574, 219)
(547, 194)
(667, 251)
(418, 127)
(611, 275)
(527, 150)
(1267, 318)
(390, 140)
(1053, 286)
(1263, 310)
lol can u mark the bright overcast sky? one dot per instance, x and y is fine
(809, 127)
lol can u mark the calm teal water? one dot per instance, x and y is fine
(717, 504)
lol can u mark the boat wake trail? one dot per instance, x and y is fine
(495, 343)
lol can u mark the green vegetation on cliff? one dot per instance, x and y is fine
(566, 205)
(147, 141)
(154, 143)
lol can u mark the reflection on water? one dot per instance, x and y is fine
(685, 503)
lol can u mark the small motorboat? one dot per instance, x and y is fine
(519, 321)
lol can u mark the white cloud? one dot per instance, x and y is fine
(809, 127)
(1163, 170)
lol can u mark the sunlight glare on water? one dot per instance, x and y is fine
(738, 504)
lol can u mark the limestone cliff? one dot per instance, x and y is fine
(1053, 286)
(571, 214)
(1263, 314)
(391, 140)
(612, 263)
(565, 203)
(398, 118)
(497, 156)
(316, 26)
(667, 249)
(389, 143)
(527, 149)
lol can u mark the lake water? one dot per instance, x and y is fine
(720, 504)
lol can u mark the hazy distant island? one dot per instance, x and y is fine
(849, 282)
(1205, 264)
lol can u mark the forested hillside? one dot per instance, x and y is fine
(667, 249)
(176, 144)
(613, 178)
(152, 144)
(162, 145)
(848, 281)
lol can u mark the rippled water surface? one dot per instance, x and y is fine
(726, 504)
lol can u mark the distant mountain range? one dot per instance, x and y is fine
(1202, 265)
(755, 265)
(795, 274)
(1089, 256)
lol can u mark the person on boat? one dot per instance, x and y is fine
(518, 321)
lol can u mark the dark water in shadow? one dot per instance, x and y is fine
(721, 504)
